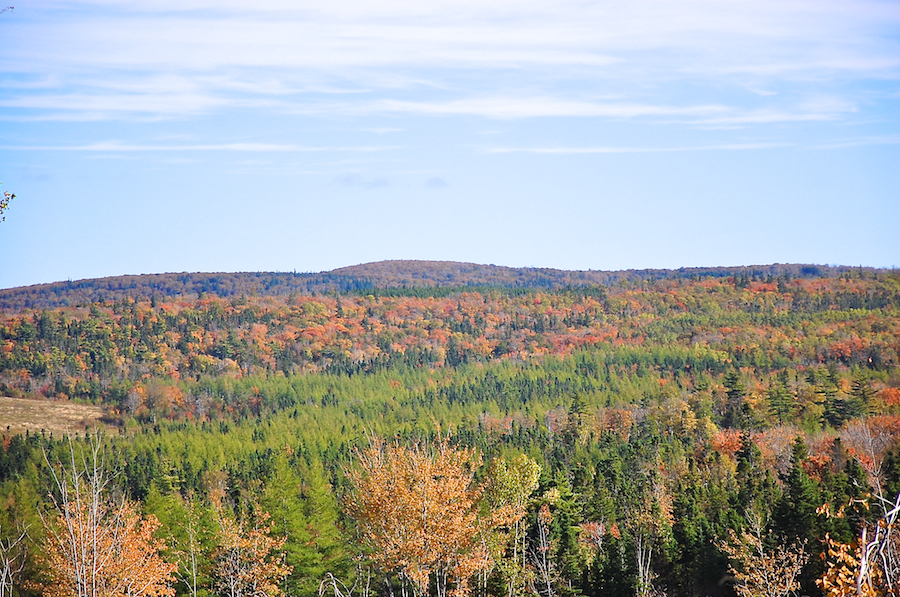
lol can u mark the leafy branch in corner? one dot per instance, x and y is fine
(7, 196)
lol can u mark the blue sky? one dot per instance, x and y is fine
(193, 135)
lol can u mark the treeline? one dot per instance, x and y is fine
(368, 278)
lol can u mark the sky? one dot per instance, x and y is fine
(156, 136)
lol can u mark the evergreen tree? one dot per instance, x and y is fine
(305, 512)
(861, 395)
(780, 398)
(796, 518)
(735, 392)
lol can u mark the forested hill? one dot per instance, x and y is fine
(665, 433)
(403, 274)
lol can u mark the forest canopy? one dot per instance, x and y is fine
(643, 435)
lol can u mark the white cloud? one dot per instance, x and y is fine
(117, 58)
(529, 107)
(836, 144)
(356, 180)
(859, 142)
(115, 146)
(619, 150)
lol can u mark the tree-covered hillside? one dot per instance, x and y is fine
(644, 436)
(369, 277)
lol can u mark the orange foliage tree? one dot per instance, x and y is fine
(417, 512)
(97, 547)
(250, 563)
(870, 565)
(760, 569)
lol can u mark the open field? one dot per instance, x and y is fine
(19, 414)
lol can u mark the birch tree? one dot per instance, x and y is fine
(249, 562)
(509, 488)
(417, 513)
(97, 546)
(759, 569)
(12, 560)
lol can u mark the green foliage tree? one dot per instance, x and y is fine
(305, 512)
(510, 485)
(796, 514)
(736, 391)
(614, 394)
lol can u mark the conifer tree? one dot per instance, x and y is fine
(780, 398)
(796, 516)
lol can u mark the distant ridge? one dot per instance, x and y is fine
(369, 277)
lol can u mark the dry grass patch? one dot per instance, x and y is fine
(20, 414)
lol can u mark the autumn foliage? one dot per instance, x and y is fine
(760, 568)
(250, 562)
(97, 547)
(627, 429)
(417, 512)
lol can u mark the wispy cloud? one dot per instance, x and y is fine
(859, 142)
(113, 146)
(836, 144)
(116, 59)
(114, 103)
(529, 107)
(359, 181)
(616, 150)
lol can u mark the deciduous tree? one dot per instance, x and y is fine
(12, 560)
(96, 546)
(760, 569)
(250, 562)
(509, 488)
(7, 196)
(870, 565)
(417, 511)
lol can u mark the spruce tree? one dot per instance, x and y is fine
(796, 518)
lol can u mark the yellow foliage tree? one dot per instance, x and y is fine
(870, 566)
(250, 563)
(417, 511)
(760, 570)
(843, 576)
(508, 490)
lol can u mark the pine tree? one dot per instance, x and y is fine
(736, 392)
(304, 511)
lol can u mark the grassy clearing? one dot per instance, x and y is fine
(19, 414)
